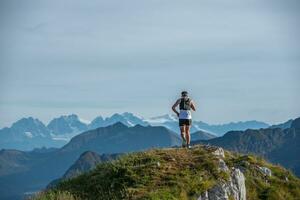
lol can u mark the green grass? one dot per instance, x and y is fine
(259, 186)
(56, 195)
(173, 174)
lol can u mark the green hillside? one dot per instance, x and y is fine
(202, 172)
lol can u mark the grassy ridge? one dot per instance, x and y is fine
(173, 174)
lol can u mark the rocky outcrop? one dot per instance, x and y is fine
(222, 166)
(219, 152)
(233, 188)
(238, 185)
(266, 171)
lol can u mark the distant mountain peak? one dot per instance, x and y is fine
(66, 124)
(129, 114)
(296, 123)
(29, 127)
(70, 117)
(118, 125)
(139, 126)
(126, 118)
(98, 118)
(115, 115)
(27, 120)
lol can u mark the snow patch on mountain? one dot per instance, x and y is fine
(85, 121)
(204, 130)
(64, 137)
(28, 134)
(161, 119)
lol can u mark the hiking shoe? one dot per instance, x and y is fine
(183, 142)
(189, 146)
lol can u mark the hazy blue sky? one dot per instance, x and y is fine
(240, 60)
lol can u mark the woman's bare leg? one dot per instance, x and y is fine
(182, 132)
(187, 135)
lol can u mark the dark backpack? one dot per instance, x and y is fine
(185, 104)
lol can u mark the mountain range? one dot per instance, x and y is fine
(171, 122)
(280, 146)
(29, 133)
(22, 173)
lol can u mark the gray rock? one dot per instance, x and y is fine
(238, 186)
(222, 166)
(286, 179)
(219, 152)
(158, 164)
(266, 171)
(234, 188)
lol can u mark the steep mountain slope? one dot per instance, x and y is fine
(296, 123)
(277, 145)
(34, 170)
(13, 161)
(87, 161)
(124, 139)
(284, 125)
(23, 172)
(201, 135)
(202, 173)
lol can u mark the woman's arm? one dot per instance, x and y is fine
(174, 107)
(193, 106)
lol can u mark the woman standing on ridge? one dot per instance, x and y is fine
(185, 117)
